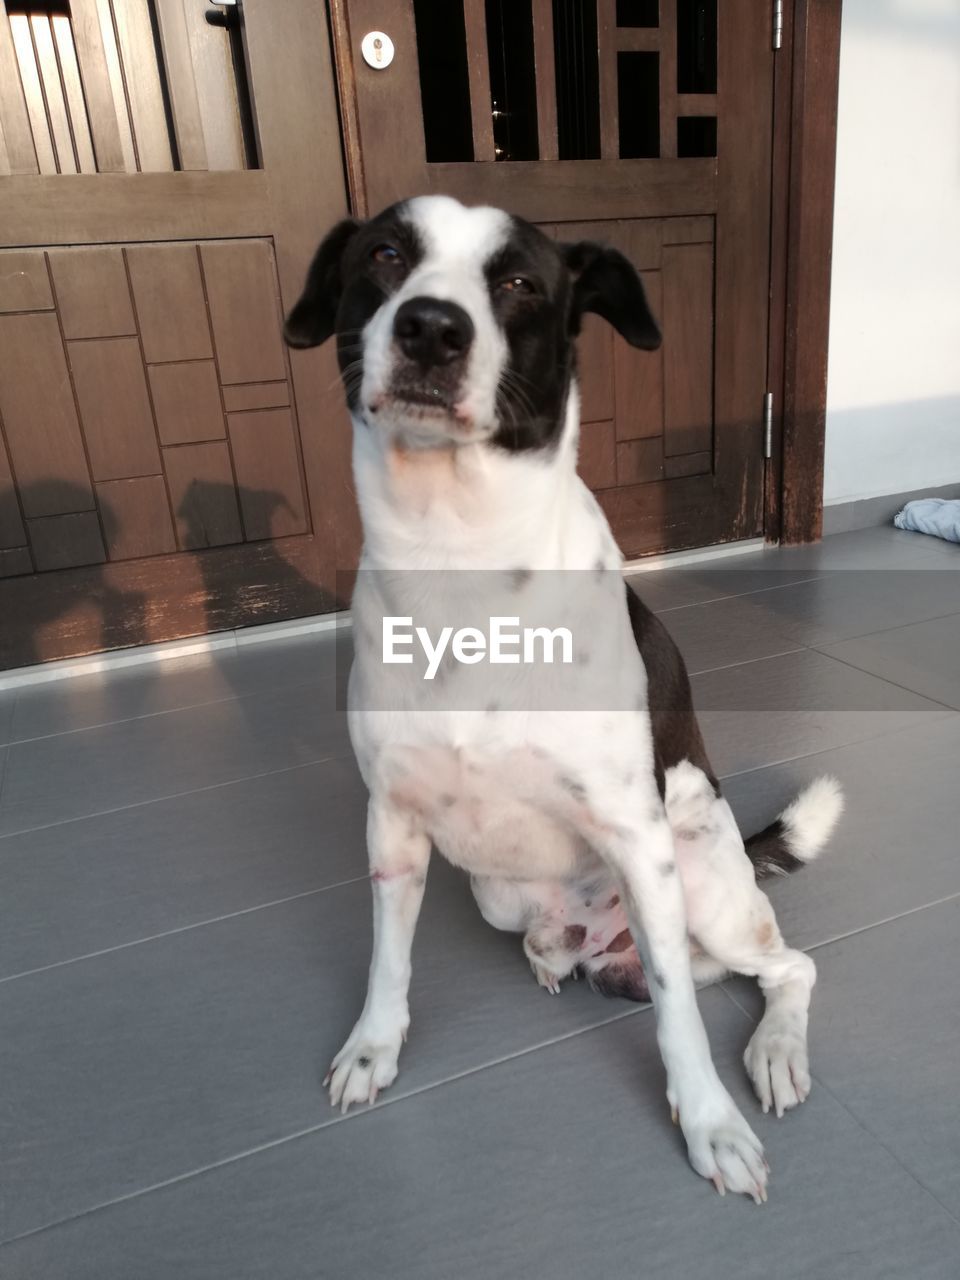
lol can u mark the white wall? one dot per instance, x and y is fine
(893, 398)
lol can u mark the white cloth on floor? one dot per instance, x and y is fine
(938, 516)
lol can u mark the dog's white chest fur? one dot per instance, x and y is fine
(491, 811)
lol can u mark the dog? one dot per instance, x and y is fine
(600, 834)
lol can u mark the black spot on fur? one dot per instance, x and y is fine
(660, 980)
(576, 790)
(574, 936)
(624, 979)
(598, 570)
(622, 942)
(363, 1061)
(614, 902)
(667, 869)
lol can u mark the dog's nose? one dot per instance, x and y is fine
(432, 331)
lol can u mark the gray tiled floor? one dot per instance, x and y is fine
(184, 936)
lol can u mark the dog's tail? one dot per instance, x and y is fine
(800, 832)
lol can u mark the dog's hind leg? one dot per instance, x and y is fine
(552, 916)
(554, 950)
(566, 926)
(734, 923)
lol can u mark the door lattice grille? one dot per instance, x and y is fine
(568, 79)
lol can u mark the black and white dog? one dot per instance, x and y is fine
(600, 836)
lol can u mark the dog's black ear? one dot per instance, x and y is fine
(607, 283)
(313, 317)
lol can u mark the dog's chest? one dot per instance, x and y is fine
(491, 808)
(494, 759)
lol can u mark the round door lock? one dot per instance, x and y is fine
(377, 50)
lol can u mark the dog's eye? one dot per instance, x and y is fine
(386, 253)
(517, 284)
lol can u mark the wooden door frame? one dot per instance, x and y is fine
(806, 84)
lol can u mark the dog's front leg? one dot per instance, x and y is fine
(720, 1143)
(399, 851)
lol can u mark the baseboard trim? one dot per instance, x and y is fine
(697, 555)
(218, 642)
(224, 641)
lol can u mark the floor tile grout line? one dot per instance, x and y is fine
(942, 712)
(279, 901)
(722, 986)
(809, 648)
(236, 696)
(185, 928)
(900, 626)
(173, 795)
(263, 1147)
(884, 1146)
(877, 924)
(852, 933)
(886, 679)
(842, 937)
(821, 1083)
(748, 662)
(740, 595)
(341, 884)
(938, 714)
(260, 1148)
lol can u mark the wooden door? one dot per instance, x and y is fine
(167, 467)
(642, 123)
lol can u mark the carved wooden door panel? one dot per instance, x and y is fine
(644, 123)
(167, 467)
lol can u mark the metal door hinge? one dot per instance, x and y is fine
(777, 24)
(768, 425)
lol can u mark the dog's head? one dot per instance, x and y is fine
(456, 325)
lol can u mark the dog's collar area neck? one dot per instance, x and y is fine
(403, 452)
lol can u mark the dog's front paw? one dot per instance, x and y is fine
(365, 1065)
(723, 1147)
(776, 1062)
